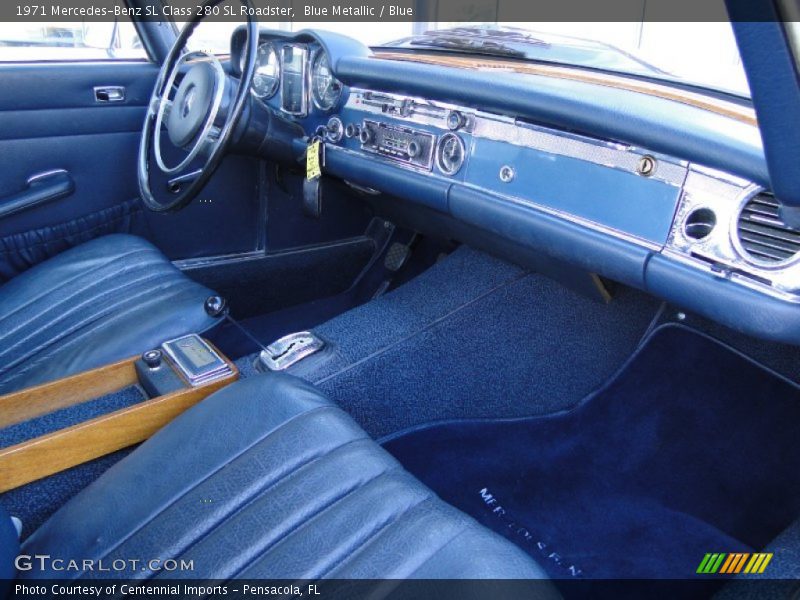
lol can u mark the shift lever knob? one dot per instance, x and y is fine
(216, 306)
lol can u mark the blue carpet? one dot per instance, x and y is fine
(474, 336)
(35, 502)
(691, 448)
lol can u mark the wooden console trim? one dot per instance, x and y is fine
(39, 400)
(66, 448)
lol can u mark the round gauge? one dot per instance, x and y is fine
(450, 153)
(325, 88)
(267, 75)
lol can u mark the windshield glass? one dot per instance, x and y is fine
(699, 54)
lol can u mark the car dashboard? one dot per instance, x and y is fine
(705, 234)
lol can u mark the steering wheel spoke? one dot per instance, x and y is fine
(189, 105)
(167, 108)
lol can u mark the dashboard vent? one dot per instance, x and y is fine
(763, 235)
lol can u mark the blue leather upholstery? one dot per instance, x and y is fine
(9, 548)
(99, 302)
(268, 479)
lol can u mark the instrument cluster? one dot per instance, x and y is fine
(299, 74)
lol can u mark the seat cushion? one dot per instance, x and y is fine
(97, 303)
(268, 479)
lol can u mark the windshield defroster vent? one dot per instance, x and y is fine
(762, 235)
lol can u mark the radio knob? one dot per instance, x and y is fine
(365, 135)
(413, 149)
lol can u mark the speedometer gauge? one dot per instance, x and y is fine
(325, 88)
(267, 75)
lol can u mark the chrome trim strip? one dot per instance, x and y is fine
(725, 196)
(187, 264)
(423, 111)
(701, 187)
(500, 128)
(607, 154)
(304, 78)
(731, 276)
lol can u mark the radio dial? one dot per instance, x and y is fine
(413, 149)
(365, 135)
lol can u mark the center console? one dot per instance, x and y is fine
(171, 378)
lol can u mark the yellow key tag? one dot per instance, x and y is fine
(312, 161)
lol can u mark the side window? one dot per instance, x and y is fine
(30, 42)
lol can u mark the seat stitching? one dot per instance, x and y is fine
(93, 318)
(309, 521)
(114, 278)
(374, 534)
(217, 470)
(73, 279)
(76, 339)
(258, 494)
(42, 314)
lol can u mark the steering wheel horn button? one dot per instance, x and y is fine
(192, 104)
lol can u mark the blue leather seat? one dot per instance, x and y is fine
(94, 304)
(268, 479)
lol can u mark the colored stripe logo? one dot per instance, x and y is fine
(734, 563)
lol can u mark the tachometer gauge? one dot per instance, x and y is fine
(325, 88)
(267, 75)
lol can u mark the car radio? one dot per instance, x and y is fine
(403, 144)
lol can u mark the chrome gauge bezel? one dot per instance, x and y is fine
(440, 149)
(315, 59)
(276, 82)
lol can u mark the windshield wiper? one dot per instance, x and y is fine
(470, 46)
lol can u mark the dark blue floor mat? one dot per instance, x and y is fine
(691, 448)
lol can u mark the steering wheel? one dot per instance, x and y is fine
(200, 117)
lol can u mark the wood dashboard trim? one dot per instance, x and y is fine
(721, 107)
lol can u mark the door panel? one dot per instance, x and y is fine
(51, 120)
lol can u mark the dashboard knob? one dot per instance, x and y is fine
(413, 149)
(335, 130)
(365, 135)
(455, 120)
(351, 130)
(152, 358)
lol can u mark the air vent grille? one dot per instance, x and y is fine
(762, 233)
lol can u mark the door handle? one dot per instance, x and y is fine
(109, 93)
(39, 189)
